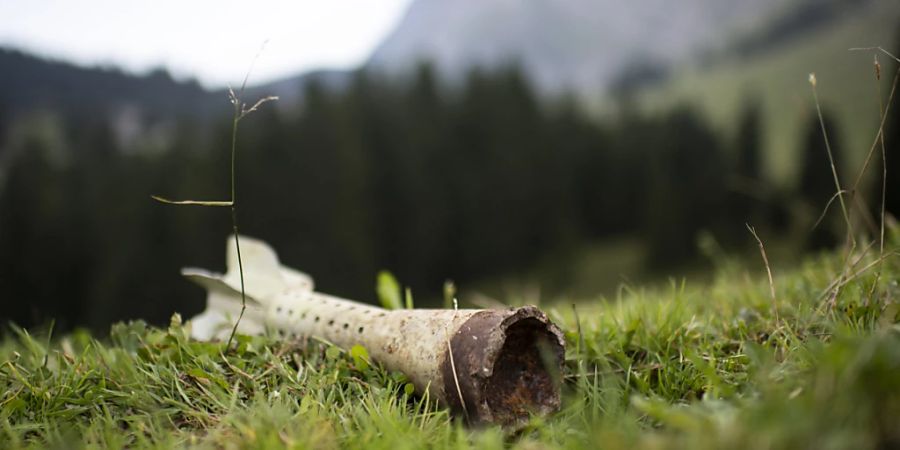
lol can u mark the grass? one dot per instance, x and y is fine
(706, 366)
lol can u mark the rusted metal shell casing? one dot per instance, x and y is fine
(489, 366)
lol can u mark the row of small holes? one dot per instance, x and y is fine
(290, 312)
(282, 333)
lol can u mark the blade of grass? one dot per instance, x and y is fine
(192, 202)
(240, 110)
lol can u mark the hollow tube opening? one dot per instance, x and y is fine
(525, 376)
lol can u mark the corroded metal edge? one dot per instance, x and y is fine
(501, 360)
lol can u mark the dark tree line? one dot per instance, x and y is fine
(428, 182)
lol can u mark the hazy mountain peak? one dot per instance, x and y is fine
(560, 43)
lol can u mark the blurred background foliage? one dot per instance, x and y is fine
(484, 179)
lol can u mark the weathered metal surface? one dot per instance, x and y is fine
(489, 366)
(506, 364)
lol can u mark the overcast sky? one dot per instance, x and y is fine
(211, 40)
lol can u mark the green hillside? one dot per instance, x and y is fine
(778, 79)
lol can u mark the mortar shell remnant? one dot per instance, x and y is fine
(493, 366)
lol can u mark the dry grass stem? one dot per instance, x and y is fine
(240, 110)
(877, 48)
(192, 202)
(762, 251)
(462, 401)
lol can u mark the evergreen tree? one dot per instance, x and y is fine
(892, 152)
(817, 186)
(746, 197)
(40, 270)
(428, 215)
(687, 188)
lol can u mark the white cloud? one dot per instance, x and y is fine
(214, 41)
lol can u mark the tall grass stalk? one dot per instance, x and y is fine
(853, 191)
(240, 110)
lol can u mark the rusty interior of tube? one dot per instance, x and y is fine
(507, 367)
(522, 383)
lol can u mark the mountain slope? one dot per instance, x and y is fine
(31, 83)
(578, 44)
(777, 79)
(290, 91)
